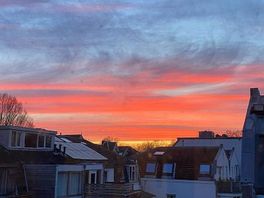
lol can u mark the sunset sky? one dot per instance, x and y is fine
(132, 69)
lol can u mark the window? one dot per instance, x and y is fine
(31, 140)
(69, 184)
(204, 169)
(3, 181)
(150, 168)
(167, 168)
(62, 184)
(132, 172)
(40, 141)
(15, 139)
(109, 175)
(74, 184)
(171, 196)
(218, 170)
(7, 182)
(48, 141)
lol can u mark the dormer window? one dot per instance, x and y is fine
(16, 138)
(151, 168)
(204, 169)
(20, 138)
(167, 168)
(31, 140)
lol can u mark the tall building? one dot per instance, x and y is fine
(252, 175)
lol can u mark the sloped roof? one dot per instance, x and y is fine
(112, 157)
(187, 159)
(79, 150)
(127, 151)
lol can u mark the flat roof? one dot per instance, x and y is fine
(35, 130)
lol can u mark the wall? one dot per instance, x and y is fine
(41, 180)
(4, 138)
(181, 188)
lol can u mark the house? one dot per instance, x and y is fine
(121, 176)
(231, 145)
(46, 165)
(126, 151)
(110, 145)
(185, 172)
(252, 177)
(113, 166)
(207, 138)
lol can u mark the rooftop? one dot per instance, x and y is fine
(51, 132)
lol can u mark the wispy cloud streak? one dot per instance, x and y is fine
(134, 69)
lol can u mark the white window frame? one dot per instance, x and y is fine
(17, 134)
(68, 186)
(92, 172)
(132, 172)
(44, 139)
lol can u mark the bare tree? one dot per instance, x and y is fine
(13, 113)
(149, 145)
(110, 139)
(233, 133)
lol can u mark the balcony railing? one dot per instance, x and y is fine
(111, 190)
(228, 187)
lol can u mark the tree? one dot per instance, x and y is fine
(13, 113)
(233, 133)
(149, 145)
(110, 139)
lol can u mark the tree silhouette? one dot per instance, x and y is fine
(13, 113)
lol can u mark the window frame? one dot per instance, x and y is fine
(205, 172)
(68, 184)
(18, 138)
(44, 139)
(36, 141)
(132, 172)
(47, 137)
(155, 168)
(167, 173)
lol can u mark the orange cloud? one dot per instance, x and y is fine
(128, 107)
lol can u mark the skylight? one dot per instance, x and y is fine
(159, 153)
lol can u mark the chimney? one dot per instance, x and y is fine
(254, 92)
(206, 134)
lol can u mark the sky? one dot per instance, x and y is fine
(132, 69)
